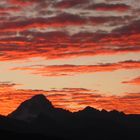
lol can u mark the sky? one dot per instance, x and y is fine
(76, 52)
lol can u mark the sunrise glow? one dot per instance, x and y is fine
(76, 52)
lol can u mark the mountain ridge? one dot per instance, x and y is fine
(39, 104)
(44, 119)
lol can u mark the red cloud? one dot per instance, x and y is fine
(67, 70)
(125, 38)
(135, 81)
(52, 45)
(9, 9)
(59, 44)
(70, 3)
(111, 20)
(6, 85)
(25, 2)
(109, 7)
(61, 20)
(43, 48)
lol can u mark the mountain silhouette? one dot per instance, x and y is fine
(38, 117)
(30, 109)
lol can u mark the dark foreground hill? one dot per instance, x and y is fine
(36, 118)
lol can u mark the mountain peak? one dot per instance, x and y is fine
(90, 109)
(32, 108)
(115, 112)
(39, 97)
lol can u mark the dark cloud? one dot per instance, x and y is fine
(9, 9)
(25, 2)
(60, 20)
(7, 85)
(129, 29)
(110, 20)
(109, 7)
(70, 3)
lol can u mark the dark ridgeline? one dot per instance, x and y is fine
(36, 118)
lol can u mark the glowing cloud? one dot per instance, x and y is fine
(135, 81)
(69, 70)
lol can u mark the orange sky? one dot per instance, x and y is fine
(77, 52)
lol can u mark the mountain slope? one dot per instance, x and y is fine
(32, 108)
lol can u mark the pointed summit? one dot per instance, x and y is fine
(39, 96)
(32, 108)
(41, 100)
(90, 109)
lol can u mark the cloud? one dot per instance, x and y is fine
(109, 20)
(91, 5)
(70, 3)
(42, 30)
(130, 29)
(109, 7)
(9, 9)
(7, 85)
(70, 70)
(61, 20)
(60, 44)
(25, 2)
(135, 81)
